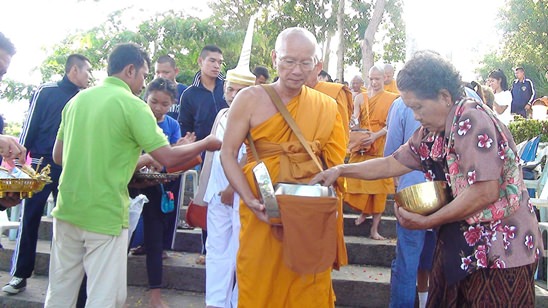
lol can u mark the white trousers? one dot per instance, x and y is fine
(102, 257)
(223, 230)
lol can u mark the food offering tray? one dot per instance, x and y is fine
(25, 187)
(157, 176)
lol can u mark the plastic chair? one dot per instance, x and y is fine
(194, 176)
(528, 152)
(539, 183)
(6, 224)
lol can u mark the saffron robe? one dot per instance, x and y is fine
(343, 97)
(373, 114)
(392, 87)
(264, 279)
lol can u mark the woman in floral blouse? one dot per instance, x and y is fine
(488, 236)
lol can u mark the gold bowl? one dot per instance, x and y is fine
(424, 198)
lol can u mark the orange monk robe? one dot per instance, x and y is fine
(357, 191)
(263, 278)
(392, 87)
(343, 97)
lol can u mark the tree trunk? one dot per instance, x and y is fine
(326, 52)
(369, 37)
(340, 49)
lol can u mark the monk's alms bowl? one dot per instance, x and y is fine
(424, 198)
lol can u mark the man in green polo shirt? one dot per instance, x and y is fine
(102, 133)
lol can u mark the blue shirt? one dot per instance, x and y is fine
(401, 125)
(171, 129)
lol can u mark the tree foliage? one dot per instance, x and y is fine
(524, 24)
(183, 36)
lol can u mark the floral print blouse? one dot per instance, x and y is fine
(508, 239)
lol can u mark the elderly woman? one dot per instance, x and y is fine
(489, 241)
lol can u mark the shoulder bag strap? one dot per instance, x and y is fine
(252, 146)
(291, 122)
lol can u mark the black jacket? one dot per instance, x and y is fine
(44, 116)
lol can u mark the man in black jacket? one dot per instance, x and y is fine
(202, 101)
(38, 136)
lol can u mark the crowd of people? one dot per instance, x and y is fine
(372, 140)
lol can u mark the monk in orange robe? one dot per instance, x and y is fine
(263, 277)
(343, 97)
(389, 81)
(369, 197)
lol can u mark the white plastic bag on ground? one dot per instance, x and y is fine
(135, 208)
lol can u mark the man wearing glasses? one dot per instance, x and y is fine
(263, 277)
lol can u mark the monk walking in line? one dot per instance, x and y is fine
(369, 197)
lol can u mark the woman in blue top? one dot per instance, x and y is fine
(160, 94)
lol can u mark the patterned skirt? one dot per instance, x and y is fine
(510, 287)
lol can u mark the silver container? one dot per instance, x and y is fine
(304, 190)
(266, 190)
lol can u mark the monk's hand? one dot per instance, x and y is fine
(258, 209)
(213, 143)
(327, 177)
(227, 196)
(409, 220)
(369, 139)
(10, 149)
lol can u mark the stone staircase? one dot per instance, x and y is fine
(365, 282)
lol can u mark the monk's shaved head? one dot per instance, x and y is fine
(376, 68)
(388, 73)
(302, 34)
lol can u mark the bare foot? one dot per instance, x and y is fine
(360, 220)
(156, 299)
(377, 237)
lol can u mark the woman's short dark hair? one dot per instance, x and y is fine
(162, 84)
(125, 54)
(498, 74)
(427, 73)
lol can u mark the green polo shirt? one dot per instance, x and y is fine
(103, 129)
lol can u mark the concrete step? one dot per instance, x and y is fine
(35, 295)
(183, 274)
(387, 228)
(185, 281)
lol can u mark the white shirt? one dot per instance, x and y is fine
(504, 98)
(217, 179)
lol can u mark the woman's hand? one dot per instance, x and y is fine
(327, 177)
(411, 220)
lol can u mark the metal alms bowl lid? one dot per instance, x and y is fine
(304, 190)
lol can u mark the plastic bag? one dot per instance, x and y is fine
(135, 208)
